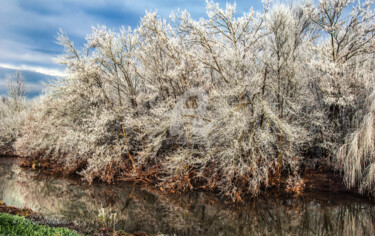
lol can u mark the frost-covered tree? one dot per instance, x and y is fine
(16, 91)
(12, 112)
(226, 103)
(347, 35)
(344, 74)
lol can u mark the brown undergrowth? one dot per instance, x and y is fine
(119, 171)
(318, 179)
(52, 166)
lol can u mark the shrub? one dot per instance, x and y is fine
(227, 103)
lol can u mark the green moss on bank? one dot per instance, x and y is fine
(16, 225)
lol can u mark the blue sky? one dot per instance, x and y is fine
(28, 27)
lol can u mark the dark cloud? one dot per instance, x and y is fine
(38, 36)
(113, 15)
(41, 8)
(46, 51)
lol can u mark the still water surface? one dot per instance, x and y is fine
(197, 213)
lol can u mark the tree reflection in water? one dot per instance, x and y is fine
(192, 214)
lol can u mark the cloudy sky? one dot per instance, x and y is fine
(28, 27)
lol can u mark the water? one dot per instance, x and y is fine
(197, 213)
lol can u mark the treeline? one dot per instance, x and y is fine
(231, 104)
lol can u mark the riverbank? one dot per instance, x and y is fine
(24, 221)
(317, 177)
(17, 225)
(134, 207)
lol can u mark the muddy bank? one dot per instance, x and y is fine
(15, 210)
(37, 218)
(41, 220)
